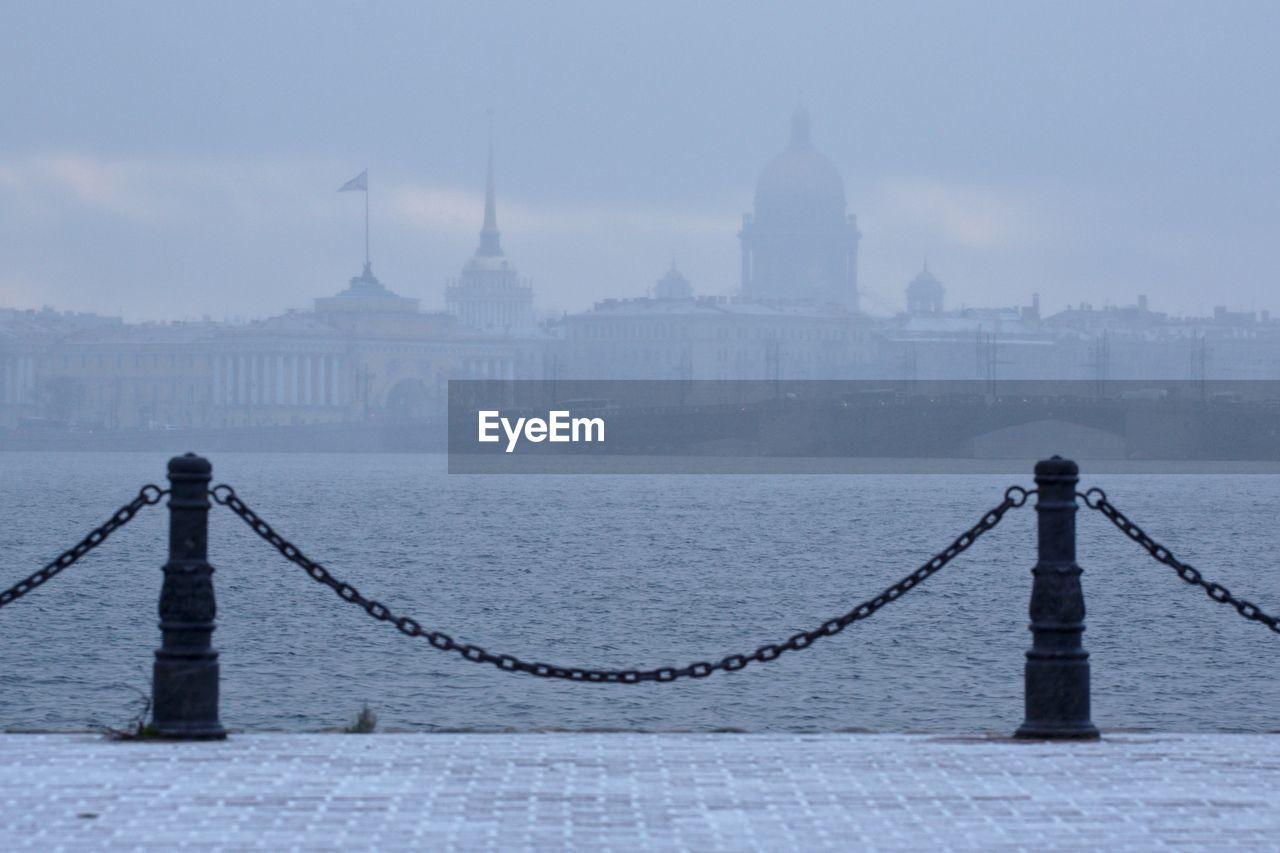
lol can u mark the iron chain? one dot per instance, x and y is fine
(1095, 498)
(1015, 496)
(148, 495)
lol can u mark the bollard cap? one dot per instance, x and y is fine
(1056, 466)
(190, 464)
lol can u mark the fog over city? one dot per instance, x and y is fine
(628, 373)
(166, 162)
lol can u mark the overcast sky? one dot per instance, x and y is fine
(168, 160)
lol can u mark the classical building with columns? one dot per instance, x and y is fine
(288, 370)
(365, 354)
(21, 344)
(31, 358)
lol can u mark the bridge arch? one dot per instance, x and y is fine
(1040, 439)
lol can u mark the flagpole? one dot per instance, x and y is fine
(361, 182)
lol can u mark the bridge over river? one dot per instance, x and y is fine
(940, 427)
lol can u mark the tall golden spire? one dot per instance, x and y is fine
(489, 236)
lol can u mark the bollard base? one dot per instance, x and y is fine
(168, 733)
(184, 697)
(1033, 731)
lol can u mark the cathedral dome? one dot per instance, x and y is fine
(800, 183)
(925, 282)
(925, 293)
(673, 285)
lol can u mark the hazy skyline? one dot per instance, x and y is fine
(174, 161)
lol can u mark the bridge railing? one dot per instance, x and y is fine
(185, 672)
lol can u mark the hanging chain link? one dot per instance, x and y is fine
(1095, 498)
(1014, 496)
(148, 495)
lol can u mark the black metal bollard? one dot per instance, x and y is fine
(1057, 669)
(185, 678)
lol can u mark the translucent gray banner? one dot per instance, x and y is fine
(813, 427)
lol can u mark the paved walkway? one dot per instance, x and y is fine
(637, 791)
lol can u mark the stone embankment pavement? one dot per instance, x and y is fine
(640, 791)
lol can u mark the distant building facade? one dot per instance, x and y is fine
(369, 354)
(365, 354)
(687, 337)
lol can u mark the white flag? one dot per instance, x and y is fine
(359, 182)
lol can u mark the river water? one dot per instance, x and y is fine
(622, 571)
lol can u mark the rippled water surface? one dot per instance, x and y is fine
(632, 571)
